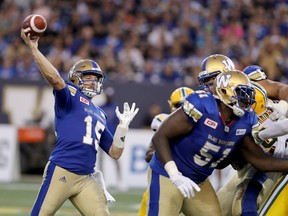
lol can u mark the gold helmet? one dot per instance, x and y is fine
(211, 67)
(85, 67)
(234, 89)
(261, 100)
(178, 96)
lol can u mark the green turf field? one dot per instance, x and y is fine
(16, 199)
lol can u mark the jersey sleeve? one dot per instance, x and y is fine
(63, 99)
(106, 140)
(193, 106)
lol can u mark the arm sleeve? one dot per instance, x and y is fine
(193, 107)
(276, 129)
(106, 140)
(63, 101)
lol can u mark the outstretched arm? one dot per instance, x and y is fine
(48, 71)
(275, 90)
(261, 161)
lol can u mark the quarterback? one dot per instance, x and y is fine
(80, 128)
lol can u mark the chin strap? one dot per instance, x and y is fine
(238, 111)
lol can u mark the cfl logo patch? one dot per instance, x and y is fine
(210, 123)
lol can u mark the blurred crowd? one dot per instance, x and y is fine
(156, 41)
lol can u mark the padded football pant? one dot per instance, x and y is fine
(165, 199)
(277, 200)
(58, 185)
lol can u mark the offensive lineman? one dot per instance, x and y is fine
(195, 139)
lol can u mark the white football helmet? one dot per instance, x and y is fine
(234, 89)
(83, 67)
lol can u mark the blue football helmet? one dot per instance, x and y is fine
(255, 73)
(211, 67)
(85, 67)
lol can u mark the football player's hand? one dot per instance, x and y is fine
(280, 110)
(185, 185)
(256, 137)
(128, 114)
(32, 43)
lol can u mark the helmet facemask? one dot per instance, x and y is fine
(235, 90)
(83, 68)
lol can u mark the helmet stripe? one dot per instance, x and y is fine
(183, 92)
(94, 64)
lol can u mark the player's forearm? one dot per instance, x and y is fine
(162, 148)
(253, 154)
(115, 152)
(149, 152)
(273, 164)
(49, 72)
(118, 144)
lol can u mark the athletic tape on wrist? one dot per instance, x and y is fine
(171, 168)
(119, 136)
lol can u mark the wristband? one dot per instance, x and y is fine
(119, 136)
(171, 168)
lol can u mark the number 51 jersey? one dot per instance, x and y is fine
(210, 141)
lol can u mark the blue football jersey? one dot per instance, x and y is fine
(211, 140)
(80, 129)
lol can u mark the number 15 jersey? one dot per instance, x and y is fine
(80, 129)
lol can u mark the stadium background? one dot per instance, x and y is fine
(146, 47)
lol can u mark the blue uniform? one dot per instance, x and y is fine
(211, 140)
(77, 143)
(80, 129)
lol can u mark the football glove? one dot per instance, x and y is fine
(185, 185)
(280, 110)
(128, 114)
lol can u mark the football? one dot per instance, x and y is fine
(34, 24)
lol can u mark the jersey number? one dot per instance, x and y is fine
(99, 128)
(204, 157)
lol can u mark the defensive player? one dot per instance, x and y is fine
(193, 140)
(275, 203)
(176, 100)
(80, 129)
(245, 192)
(279, 91)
